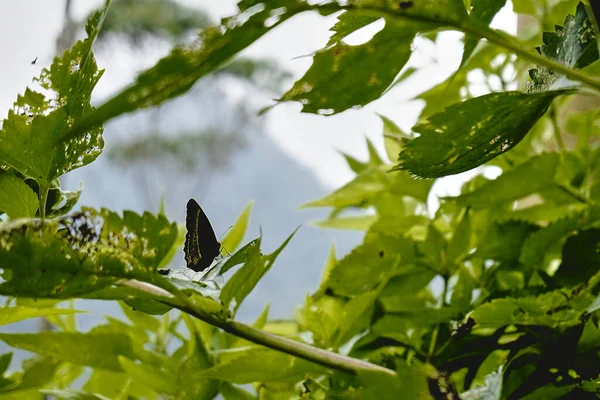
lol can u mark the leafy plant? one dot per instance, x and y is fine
(493, 295)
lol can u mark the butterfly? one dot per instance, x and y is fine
(201, 245)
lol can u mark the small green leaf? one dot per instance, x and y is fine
(234, 237)
(97, 350)
(538, 244)
(9, 315)
(140, 319)
(354, 164)
(547, 309)
(150, 375)
(5, 360)
(258, 364)
(463, 290)
(482, 11)
(72, 394)
(17, 199)
(460, 244)
(573, 45)
(409, 382)
(392, 138)
(363, 188)
(361, 223)
(369, 263)
(245, 279)
(466, 135)
(528, 178)
(230, 392)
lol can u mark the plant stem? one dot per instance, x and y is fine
(279, 343)
(557, 136)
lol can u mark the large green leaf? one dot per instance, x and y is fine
(73, 394)
(37, 373)
(97, 350)
(17, 199)
(344, 76)
(467, 135)
(178, 72)
(32, 139)
(72, 258)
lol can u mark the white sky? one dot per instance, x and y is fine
(28, 29)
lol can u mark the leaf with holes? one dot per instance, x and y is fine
(467, 135)
(32, 137)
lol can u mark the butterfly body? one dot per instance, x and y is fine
(201, 244)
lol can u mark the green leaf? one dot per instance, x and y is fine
(434, 247)
(354, 164)
(155, 235)
(243, 255)
(482, 11)
(230, 392)
(573, 45)
(466, 135)
(37, 373)
(232, 240)
(73, 394)
(258, 364)
(112, 385)
(528, 178)
(9, 315)
(97, 350)
(409, 382)
(140, 319)
(348, 22)
(150, 375)
(64, 200)
(460, 244)
(17, 199)
(503, 242)
(463, 290)
(355, 311)
(369, 263)
(321, 316)
(392, 138)
(361, 223)
(547, 309)
(538, 244)
(364, 187)
(402, 184)
(176, 73)
(245, 279)
(5, 360)
(32, 139)
(330, 86)
(70, 258)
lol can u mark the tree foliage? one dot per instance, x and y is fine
(493, 295)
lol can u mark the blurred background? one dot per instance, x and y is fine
(211, 144)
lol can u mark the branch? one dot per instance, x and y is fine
(473, 28)
(279, 343)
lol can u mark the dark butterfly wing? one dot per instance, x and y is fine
(201, 245)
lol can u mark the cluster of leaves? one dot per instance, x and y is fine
(493, 295)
